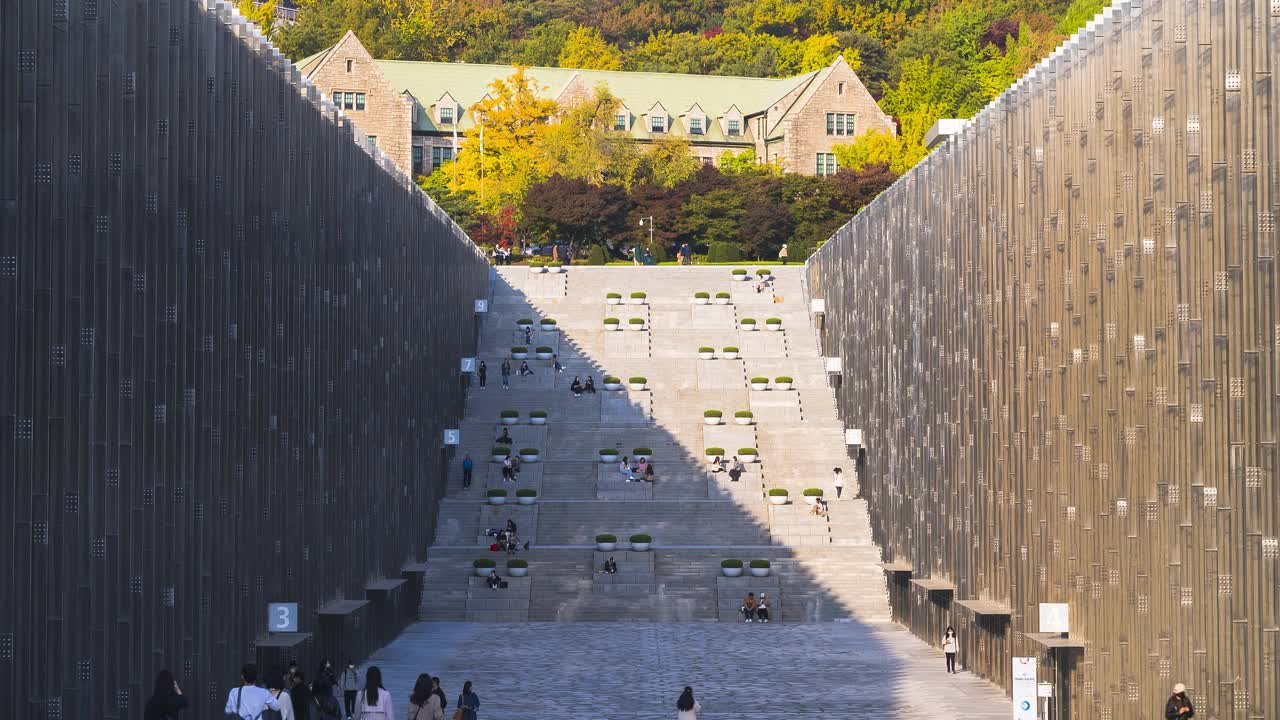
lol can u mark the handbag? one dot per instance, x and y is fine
(457, 714)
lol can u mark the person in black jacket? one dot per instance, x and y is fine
(166, 700)
(1179, 706)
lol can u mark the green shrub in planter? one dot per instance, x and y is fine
(740, 271)
(611, 321)
(762, 272)
(636, 321)
(706, 349)
(723, 295)
(638, 295)
(606, 538)
(543, 349)
(730, 563)
(773, 321)
(748, 321)
(484, 563)
(524, 321)
(517, 563)
(778, 492)
(538, 414)
(748, 451)
(641, 538)
(519, 349)
(528, 451)
(638, 380)
(500, 450)
(613, 296)
(641, 451)
(744, 414)
(611, 380)
(526, 492)
(759, 563)
(546, 321)
(702, 295)
(555, 263)
(497, 492)
(813, 492)
(509, 414)
(730, 348)
(783, 379)
(712, 414)
(714, 452)
(757, 380)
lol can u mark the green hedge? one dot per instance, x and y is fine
(739, 271)
(730, 563)
(756, 380)
(783, 379)
(714, 451)
(744, 413)
(748, 451)
(747, 321)
(608, 451)
(759, 563)
(730, 348)
(723, 252)
(509, 414)
(524, 321)
(636, 321)
(723, 295)
(606, 538)
(611, 321)
(555, 263)
(641, 538)
(712, 414)
(517, 563)
(497, 492)
(538, 413)
(596, 255)
(519, 349)
(500, 450)
(547, 321)
(484, 563)
(642, 451)
(813, 492)
(638, 296)
(611, 380)
(778, 492)
(773, 321)
(706, 349)
(702, 295)
(543, 349)
(529, 451)
(764, 271)
(526, 492)
(640, 379)
(613, 296)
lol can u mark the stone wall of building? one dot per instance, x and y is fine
(839, 91)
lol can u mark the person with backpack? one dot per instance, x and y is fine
(468, 704)
(424, 704)
(166, 700)
(300, 695)
(350, 687)
(284, 703)
(324, 706)
(249, 701)
(374, 700)
(468, 465)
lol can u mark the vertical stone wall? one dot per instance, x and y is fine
(229, 338)
(1060, 336)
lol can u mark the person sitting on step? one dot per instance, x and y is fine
(576, 387)
(624, 467)
(749, 607)
(610, 566)
(590, 386)
(511, 526)
(819, 508)
(715, 464)
(525, 369)
(736, 470)
(648, 473)
(504, 438)
(494, 581)
(762, 609)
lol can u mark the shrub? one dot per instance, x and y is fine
(773, 321)
(813, 492)
(778, 492)
(712, 413)
(757, 380)
(524, 321)
(543, 349)
(538, 413)
(744, 413)
(537, 261)
(638, 380)
(611, 380)
(596, 255)
(724, 295)
(748, 321)
(638, 295)
(547, 321)
(783, 379)
(514, 563)
(702, 295)
(519, 349)
(606, 537)
(609, 451)
(730, 563)
(509, 414)
(611, 321)
(764, 271)
(502, 450)
(730, 348)
(636, 321)
(714, 451)
(555, 263)
(723, 252)
(526, 492)
(641, 538)
(706, 349)
(497, 492)
(748, 451)
(759, 563)
(528, 451)
(740, 271)
(642, 451)
(613, 296)
(484, 563)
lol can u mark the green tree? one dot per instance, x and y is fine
(586, 48)
(264, 15)
(584, 145)
(716, 215)
(667, 162)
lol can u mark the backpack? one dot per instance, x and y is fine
(236, 714)
(328, 707)
(269, 714)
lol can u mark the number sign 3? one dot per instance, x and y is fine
(282, 617)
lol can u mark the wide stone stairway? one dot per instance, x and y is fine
(819, 568)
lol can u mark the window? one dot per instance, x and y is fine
(359, 101)
(446, 116)
(348, 101)
(840, 124)
(348, 66)
(735, 127)
(657, 123)
(440, 155)
(839, 88)
(417, 161)
(707, 161)
(826, 164)
(373, 140)
(695, 126)
(620, 121)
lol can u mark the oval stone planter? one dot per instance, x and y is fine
(523, 325)
(613, 301)
(636, 386)
(606, 547)
(484, 572)
(778, 499)
(537, 269)
(701, 301)
(497, 500)
(742, 277)
(773, 326)
(707, 356)
(759, 386)
(519, 355)
(526, 500)
(499, 458)
(635, 301)
(635, 326)
(710, 421)
(759, 572)
(612, 326)
(782, 386)
(537, 421)
(543, 356)
(613, 386)
(639, 547)
(731, 356)
(557, 269)
(518, 572)
(510, 420)
(547, 328)
(638, 458)
(810, 500)
(529, 458)
(748, 327)
(749, 458)
(743, 421)
(731, 572)
(722, 301)
(608, 459)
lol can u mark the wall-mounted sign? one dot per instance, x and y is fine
(468, 365)
(1055, 618)
(452, 436)
(853, 436)
(817, 305)
(482, 306)
(282, 617)
(834, 364)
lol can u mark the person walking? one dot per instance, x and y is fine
(468, 703)
(481, 372)
(249, 701)
(1179, 706)
(275, 685)
(424, 704)
(300, 695)
(468, 465)
(374, 700)
(555, 363)
(784, 253)
(837, 480)
(439, 693)
(950, 646)
(506, 374)
(325, 706)
(350, 687)
(166, 700)
(686, 707)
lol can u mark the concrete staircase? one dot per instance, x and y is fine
(822, 569)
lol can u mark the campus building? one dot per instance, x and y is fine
(417, 112)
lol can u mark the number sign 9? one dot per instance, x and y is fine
(282, 617)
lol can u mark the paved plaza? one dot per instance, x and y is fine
(629, 671)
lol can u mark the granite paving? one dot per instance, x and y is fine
(630, 671)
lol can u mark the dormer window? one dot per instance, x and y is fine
(733, 127)
(695, 126)
(620, 121)
(657, 123)
(446, 116)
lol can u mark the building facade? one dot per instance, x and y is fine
(417, 112)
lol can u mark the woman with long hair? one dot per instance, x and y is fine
(375, 701)
(424, 704)
(950, 646)
(468, 703)
(166, 700)
(686, 707)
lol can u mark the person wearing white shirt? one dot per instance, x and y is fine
(838, 481)
(686, 707)
(374, 702)
(275, 687)
(248, 701)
